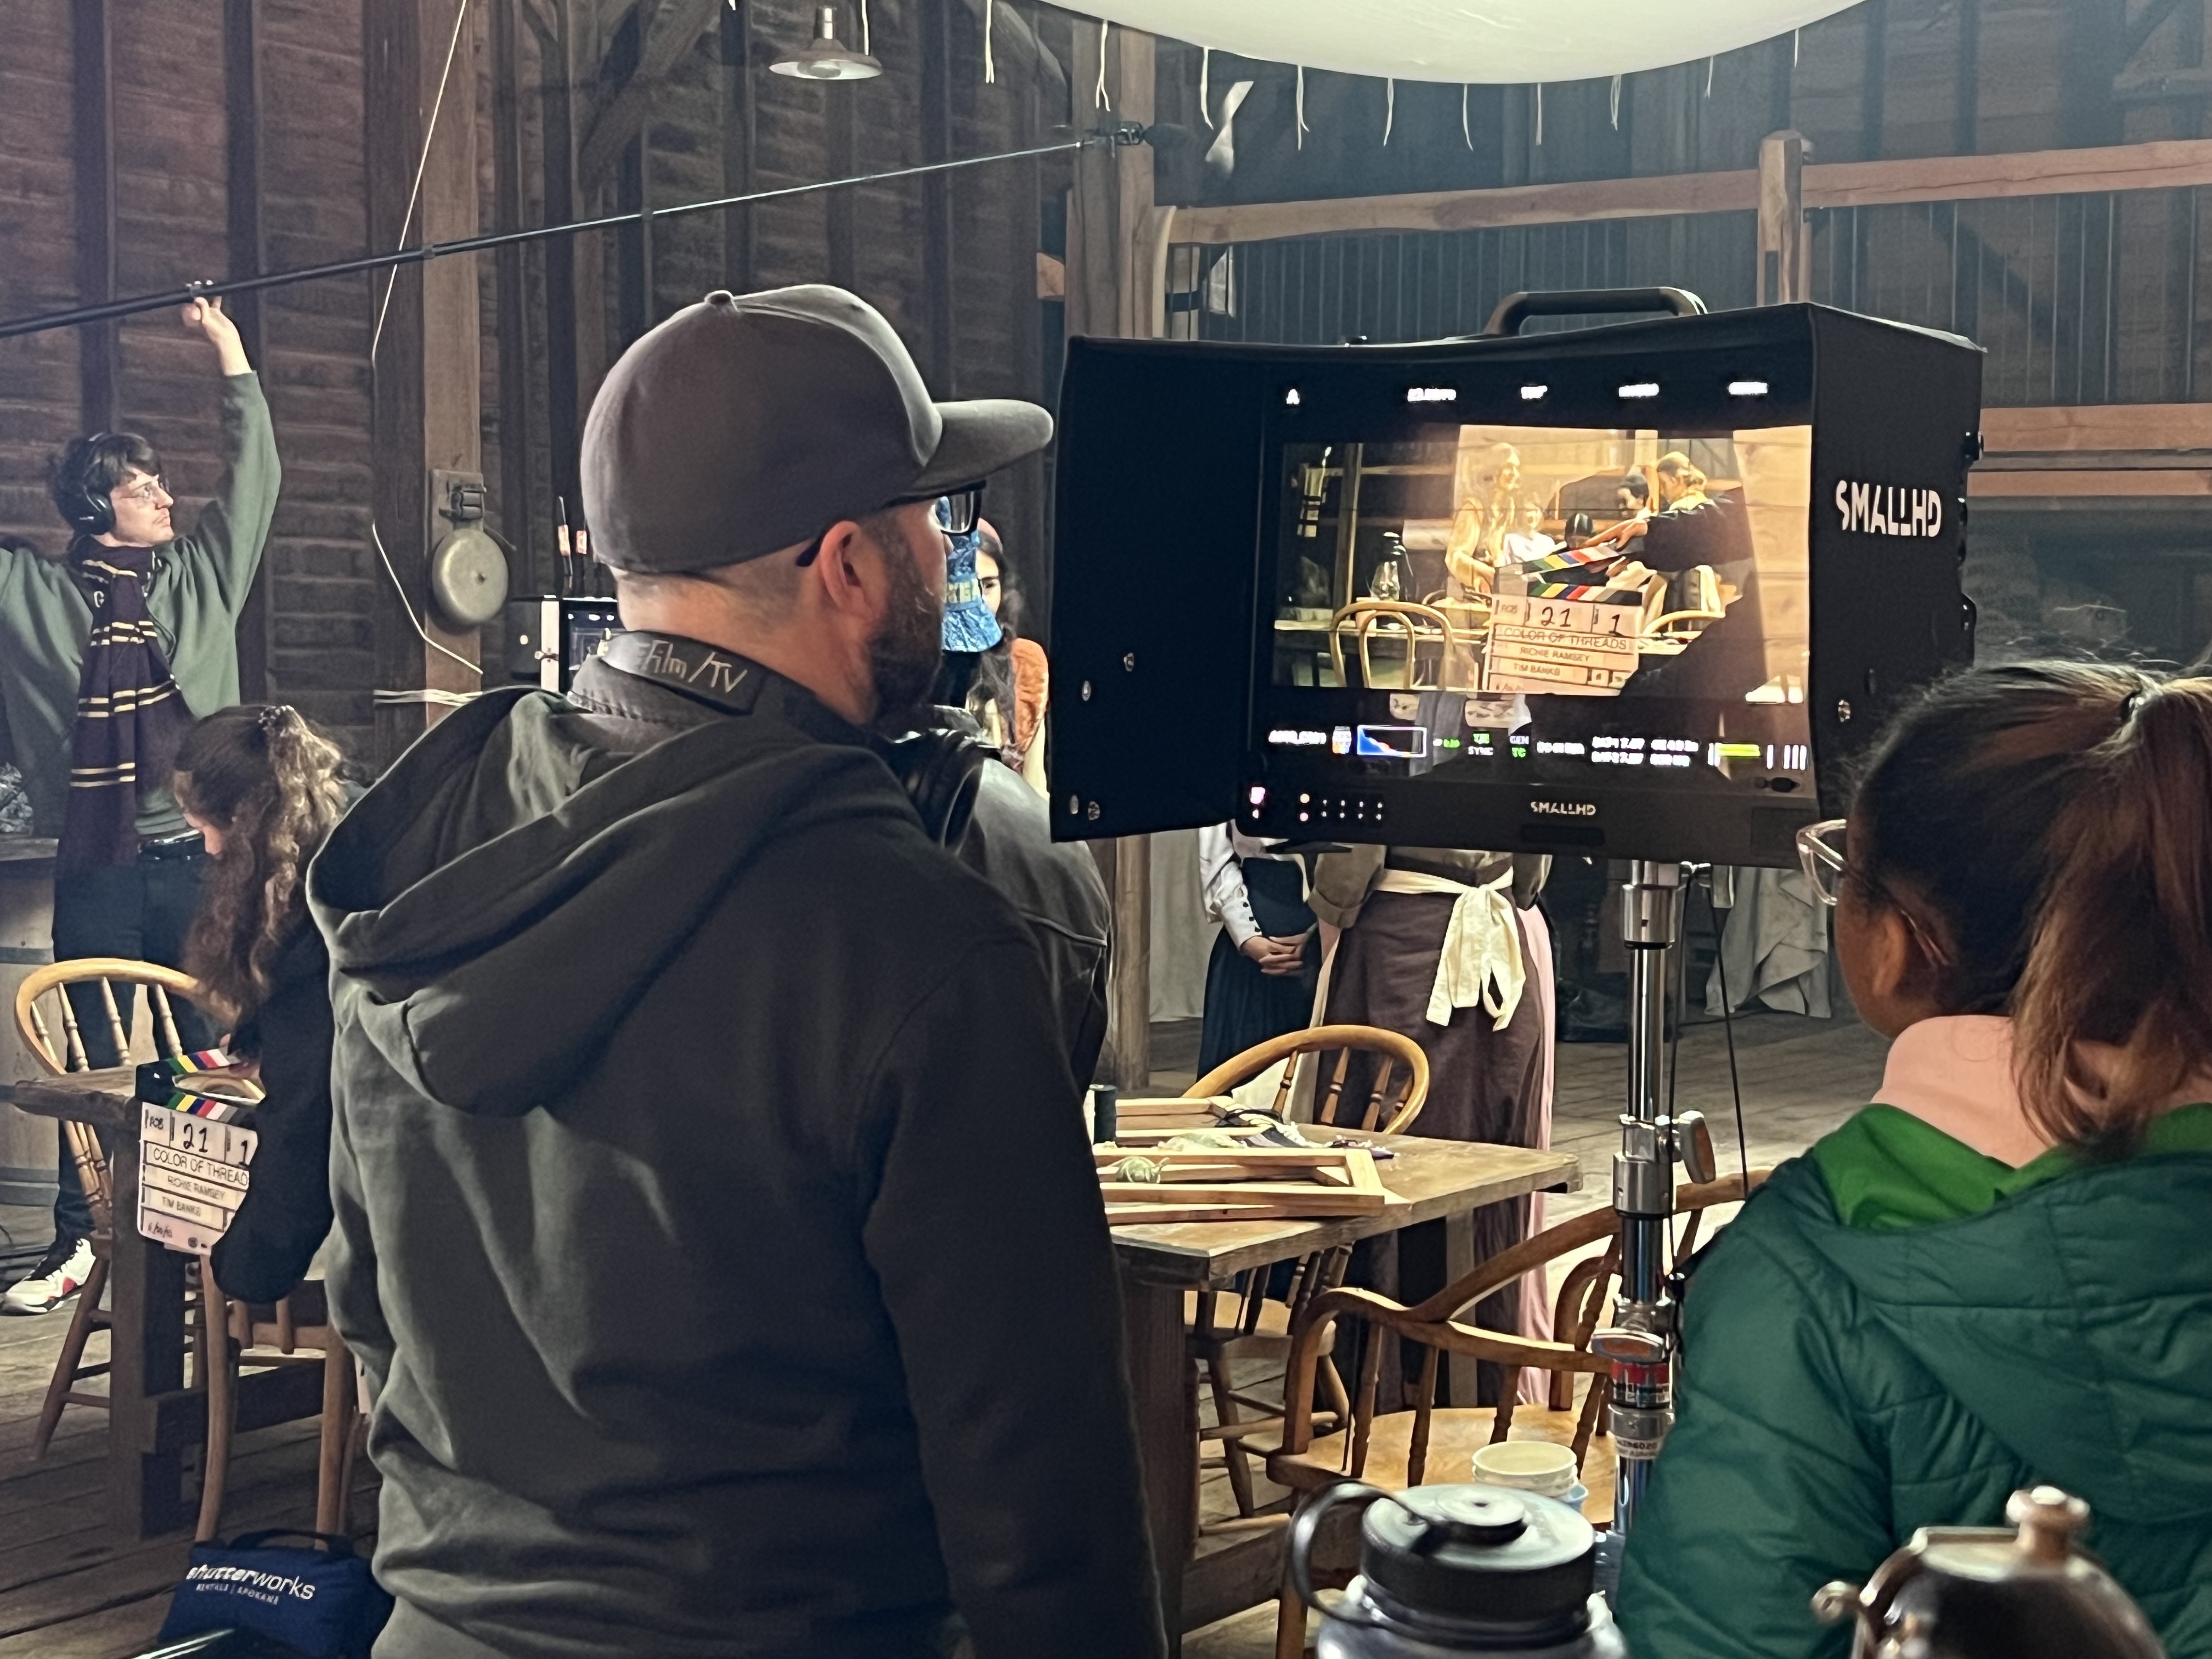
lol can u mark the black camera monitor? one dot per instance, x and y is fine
(1637, 590)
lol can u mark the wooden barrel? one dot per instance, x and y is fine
(28, 1146)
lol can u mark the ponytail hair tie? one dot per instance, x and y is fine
(2132, 706)
(272, 717)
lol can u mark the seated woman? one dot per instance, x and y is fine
(2002, 1273)
(263, 787)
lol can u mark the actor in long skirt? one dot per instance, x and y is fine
(1447, 948)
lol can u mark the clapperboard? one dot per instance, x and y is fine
(1584, 645)
(194, 1152)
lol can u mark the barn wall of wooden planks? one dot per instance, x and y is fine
(144, 145)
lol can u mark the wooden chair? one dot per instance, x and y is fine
(1259, 1328)
(296, 1331)
(1412, 1444)
(54, 983)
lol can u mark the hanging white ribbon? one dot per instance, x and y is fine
(865, 51)
(1616, 103)
(1303, 128)
(1539, 112)
(1465, 131)
(990, 65)
(1389, 108)
(1204, 64)
(1480, 965)
(1710, 62)
(1098, 98)
(1794, 38)
(1221, 155)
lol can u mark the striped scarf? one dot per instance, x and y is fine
(130, 717)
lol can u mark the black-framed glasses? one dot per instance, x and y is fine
(957, 512)
(1823, 852)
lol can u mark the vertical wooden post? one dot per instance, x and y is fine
(1132, 72)
(1965, 137)
(93, 115)
(934, 18)
(1784, 259)
(1874, 85)
(428, 373)
(241, 42)
(517, 512)
(1111, 290)
(738, 144)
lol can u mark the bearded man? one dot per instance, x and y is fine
(703, 1133)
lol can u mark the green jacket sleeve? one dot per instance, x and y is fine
(1771, 1484)
(233, 527)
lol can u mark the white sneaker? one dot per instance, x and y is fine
(55, 1281)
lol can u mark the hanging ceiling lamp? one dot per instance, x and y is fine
(827, 59)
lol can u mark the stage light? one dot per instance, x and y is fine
(1531, 394)
(1746, 388)
(1641, 389)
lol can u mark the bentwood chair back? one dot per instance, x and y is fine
(71, 993)
(1397, 1446)
(1390, 1103)
(1258, 1326)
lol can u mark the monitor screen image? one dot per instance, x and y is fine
(1541, 605)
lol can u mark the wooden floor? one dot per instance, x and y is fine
(70, 1589)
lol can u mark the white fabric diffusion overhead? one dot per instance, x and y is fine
(1481, 40)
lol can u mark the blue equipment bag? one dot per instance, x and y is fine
(326, 1604)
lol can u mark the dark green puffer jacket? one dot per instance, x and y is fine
(1842, 1387)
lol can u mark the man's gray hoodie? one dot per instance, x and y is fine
(703, 1152)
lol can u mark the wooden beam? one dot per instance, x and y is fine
(241, 76)
(93, 111)
(2162, 164)
(673, 31)
(2076, 428)
(2100, 484)
(1473, 210)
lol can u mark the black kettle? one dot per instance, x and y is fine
(1990, 1593)
(1459, 1569)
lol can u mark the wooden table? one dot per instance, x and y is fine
(1441, 1184)
(153, 1419)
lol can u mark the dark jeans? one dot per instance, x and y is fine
(140, 911)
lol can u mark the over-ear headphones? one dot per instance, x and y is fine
(942, 773)
(87, 510)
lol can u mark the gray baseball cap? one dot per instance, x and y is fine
(753, 422)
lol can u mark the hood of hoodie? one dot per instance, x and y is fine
(2073, 1320)
(498, 902)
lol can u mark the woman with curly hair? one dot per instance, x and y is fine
(264, 788)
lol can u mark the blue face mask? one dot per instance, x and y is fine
(969, 623)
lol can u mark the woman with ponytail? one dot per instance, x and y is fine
(264, 788)
(2000, 1274)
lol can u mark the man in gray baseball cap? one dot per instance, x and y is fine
(703, 1129)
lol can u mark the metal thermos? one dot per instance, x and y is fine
(1453, 1570)
(1990, 1593)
